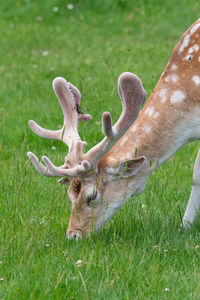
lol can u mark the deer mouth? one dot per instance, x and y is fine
(76, 234)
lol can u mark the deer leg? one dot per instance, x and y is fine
(194, 200)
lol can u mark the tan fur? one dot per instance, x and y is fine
(169, 116)
(154, 145)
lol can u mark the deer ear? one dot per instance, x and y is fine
(127, 168)
(64, 181)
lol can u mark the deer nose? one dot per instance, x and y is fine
(74, 235)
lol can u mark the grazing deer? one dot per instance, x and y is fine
(104, 178)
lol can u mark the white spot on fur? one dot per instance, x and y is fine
(174, 77)
(156, 115)
(147, 129)
(163, 95)
(190, 50)
(185, 43)
(194, 48)
(124, 141)
(177, 96)
(174, 67)
(188, 130)
(194, 28)
(167, 78)
(149, 111)
(134, 128)
(196, 79)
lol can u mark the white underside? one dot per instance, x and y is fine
(188, 130)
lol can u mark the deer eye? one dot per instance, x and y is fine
(91, 197)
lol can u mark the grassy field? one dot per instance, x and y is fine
(142, 253)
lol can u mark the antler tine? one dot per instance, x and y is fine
(78, 170)
(40, 167)
(77, 98)
(69, 98)
(68, 105)
(76, 93)
(45, 133)
(132, 95)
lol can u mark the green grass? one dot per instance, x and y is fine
(89, 45)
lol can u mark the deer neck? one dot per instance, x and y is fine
(171, 117)
(167, 122)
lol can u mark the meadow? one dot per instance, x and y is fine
(142, 253)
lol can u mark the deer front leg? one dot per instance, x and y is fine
(194, 200)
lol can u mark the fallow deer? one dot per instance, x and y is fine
(104, 178)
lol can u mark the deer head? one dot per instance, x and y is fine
(108, 174)
(91, 185)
